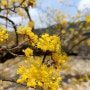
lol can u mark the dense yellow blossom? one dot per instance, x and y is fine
(59, 58)
(3, 34)
(45, 42)
(37, 72)
(24, 30)
(28, 52)
(51, 43)
(28, 32)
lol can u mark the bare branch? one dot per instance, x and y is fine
(14, 26)
(78, 43)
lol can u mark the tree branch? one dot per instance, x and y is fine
(14, 26)
(71, 49)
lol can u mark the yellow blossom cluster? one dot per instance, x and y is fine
(63, 22)
(51, 43)
(31, 3)
(59, 58)
(0, 81)
(38, 71)
(27, 31)
(28, 52)
(4, 3)
(31, 23)
(45, 42)
(36, 74)
(3, 34)
(83, 78)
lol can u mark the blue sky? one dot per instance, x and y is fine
(79, 4)
(41, 8)
(55, 4)
(38, 13)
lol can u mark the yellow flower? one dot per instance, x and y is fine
(4, 2)
(3, 34)
(30, 35)
(63, 22)
(31, 24)
(40, 84)
(19, 81)
(28, 52)
(0, 81)
(48, 42)
(88, 42)
(63, 31)
(76, 41)
(37, 74)
(87, 18)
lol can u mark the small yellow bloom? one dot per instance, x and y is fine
(88, 18)
(40, 84)
(4, 3)
(63, 31)
(19, 81)
(3, 34)
(88, 42)
(28, 52)
(31, 24)
(0, 81)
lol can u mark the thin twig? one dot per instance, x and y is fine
(78, 43)
(45, 54)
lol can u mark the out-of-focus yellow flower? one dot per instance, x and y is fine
(31, 24)
(32, 3)
(59, 58)
(88, 42)
(63, 31)
(76, 41)
(63, 22)
(0, 81)
(13, 1)
(3, 34)
(76, 32)
(87, 18)
(4, 3)
(71, 30)
(61, 0)
(36, 73)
